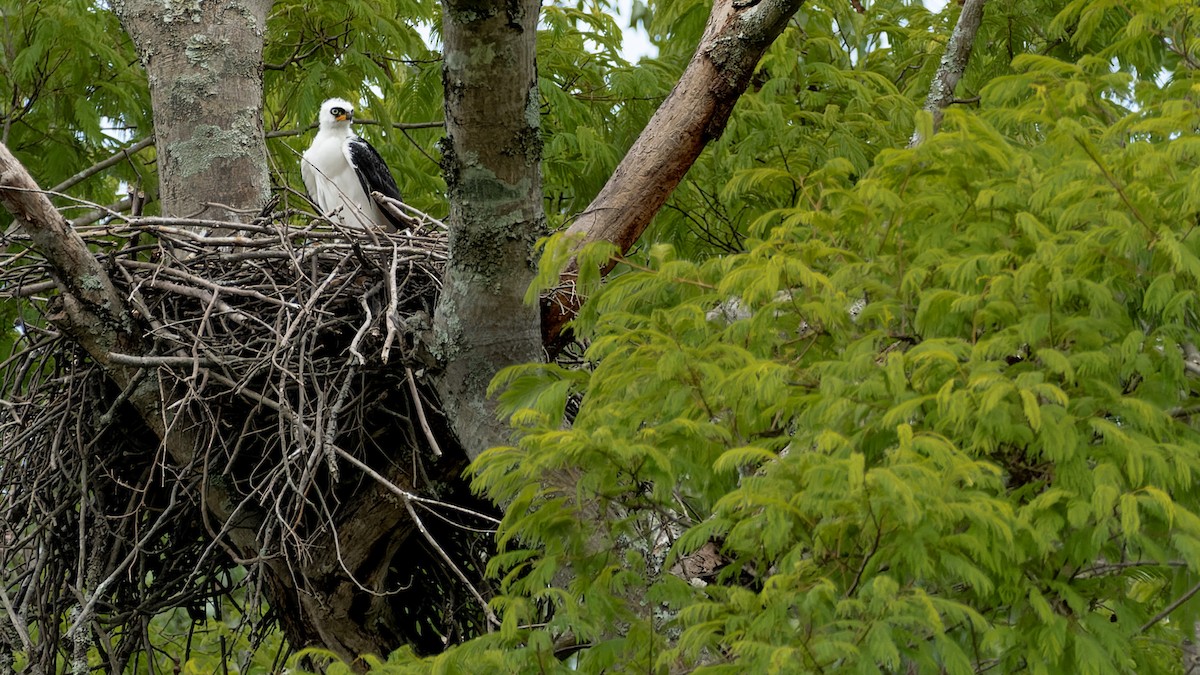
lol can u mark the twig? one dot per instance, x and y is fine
(391, 316)
(483, 605)
(1112, 180)
(1170, 608)
(15, 621)
(153, 361)
(281, 133)
(362, 330)
(408, 499)
(416, 397)
(331, 427)
(151, 532)
(403, 210)
(205, 283)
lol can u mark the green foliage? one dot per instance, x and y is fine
(594, 103)
(64, 110)
(928, 409)
(935, 411)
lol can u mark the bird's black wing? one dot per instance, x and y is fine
(374, 175)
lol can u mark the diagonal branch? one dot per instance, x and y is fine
(91, 310)
(118, 157)
(953, 64)
(695, 113)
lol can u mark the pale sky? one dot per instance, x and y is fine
(637, 43)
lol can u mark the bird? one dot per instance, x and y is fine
(340, 171)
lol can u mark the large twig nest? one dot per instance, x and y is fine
(289, 345)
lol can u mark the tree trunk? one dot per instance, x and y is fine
(204, 61)
(491, 161)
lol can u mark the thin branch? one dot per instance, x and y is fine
(416, 397)
(117, 158)
(153, 361)
(15, 621)
(1112, 180)
(405, 494)
(1170, 608)
(282, 133)
(493, 620)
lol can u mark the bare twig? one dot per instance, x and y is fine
(282, 133)
(416, 397)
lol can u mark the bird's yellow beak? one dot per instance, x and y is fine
(342, 118)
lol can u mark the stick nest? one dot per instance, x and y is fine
(291, 350)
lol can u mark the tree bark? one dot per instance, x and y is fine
(696, 112)
(492, 158)
(204, 61)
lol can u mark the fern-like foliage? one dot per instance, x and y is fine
(935, 409)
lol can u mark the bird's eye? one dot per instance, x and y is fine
(337, 111)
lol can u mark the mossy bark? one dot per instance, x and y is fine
(492, 157)
(204, 62)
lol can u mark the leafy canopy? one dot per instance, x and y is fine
(930, 408)
(988, 464)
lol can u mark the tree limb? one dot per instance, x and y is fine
(94, 311)
(280, 133)
(695, 113)
(91, 310)
(954, 62)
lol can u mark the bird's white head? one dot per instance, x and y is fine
(336, 112)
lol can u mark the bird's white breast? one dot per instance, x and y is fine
(334, 184)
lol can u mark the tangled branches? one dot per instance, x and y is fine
(292, 352)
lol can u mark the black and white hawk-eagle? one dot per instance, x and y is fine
(341, 170)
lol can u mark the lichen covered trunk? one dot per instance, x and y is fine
(204, 62)
(492, 167)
